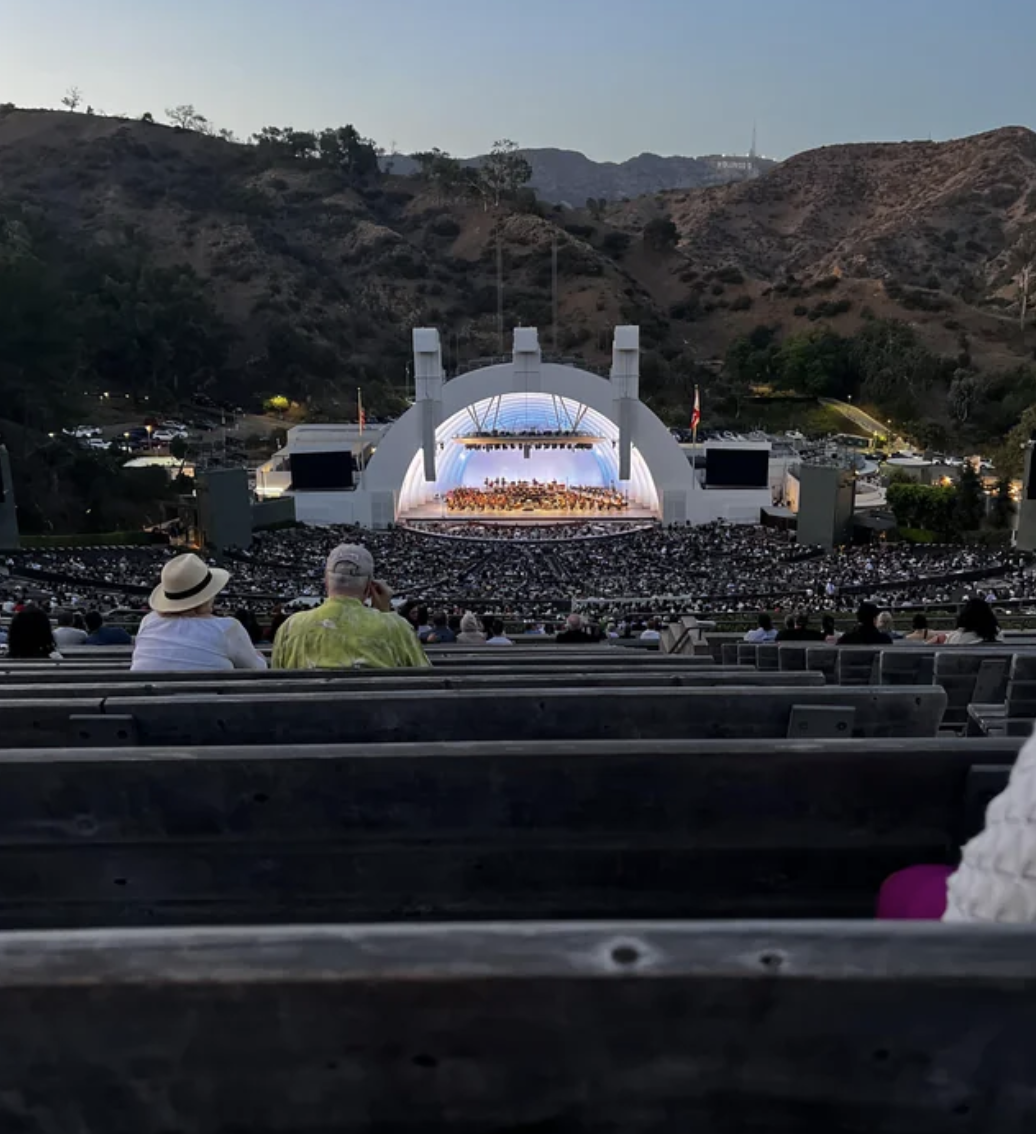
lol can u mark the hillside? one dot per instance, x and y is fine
(571, 178)
(161, 262)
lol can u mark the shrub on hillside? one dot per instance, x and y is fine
(742, 303)
(616, 244)
(829, 309)
(444, 226)
(729, 275)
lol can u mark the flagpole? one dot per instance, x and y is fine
(359, 416)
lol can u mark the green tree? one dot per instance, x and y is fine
(1002, 513)
(661, 234)
(73, 99)
(970, 505)
(503, 171)
(278, 403)
(178, 448)
(817, 362)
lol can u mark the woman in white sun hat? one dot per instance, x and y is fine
(181, 634)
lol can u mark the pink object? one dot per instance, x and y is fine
(917, 893)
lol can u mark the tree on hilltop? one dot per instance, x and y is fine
(503, 171)
(187, 118)
(73, 99)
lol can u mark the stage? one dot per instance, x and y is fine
(437, 511)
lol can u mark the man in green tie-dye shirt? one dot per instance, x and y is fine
(344, 633)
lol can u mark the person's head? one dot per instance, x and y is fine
(867, 614)
(765, 621)
(574, 622)
(421, 616)
(789, 622)
(94, 621)
(498, 628)
(828, 623)
(349, 572)
(65, 618)
(885, 623)
(188, 588)
(469, 623)
(29, 635)
(439, 620)
(920, 622)
(454, 623)
(977, 617)
(801, 620)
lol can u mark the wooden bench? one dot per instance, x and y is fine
(518, 714)
(576, 829)
(280, 682)
(545, 1027)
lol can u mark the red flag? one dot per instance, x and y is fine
(361, 417)
(696, 415)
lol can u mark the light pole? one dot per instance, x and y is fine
(150, 447)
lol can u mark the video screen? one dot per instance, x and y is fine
(321, 472)
(737, 468)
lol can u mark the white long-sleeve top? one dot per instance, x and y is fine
(185, 645)
(996, 881)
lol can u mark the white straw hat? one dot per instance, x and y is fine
(186, 583)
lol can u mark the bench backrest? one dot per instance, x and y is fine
(858, 666)
(621, 1026)
(518, 714)
(906, 667)
(278, 682)
(576, 829)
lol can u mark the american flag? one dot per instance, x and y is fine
(696, 414)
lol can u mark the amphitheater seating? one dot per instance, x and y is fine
(519, 714)
(1013, 715)
(658, 829)
(906, 666)
(274, 683)
(539, 1027)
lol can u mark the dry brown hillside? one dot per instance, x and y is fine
(196, 263)
(914, 230)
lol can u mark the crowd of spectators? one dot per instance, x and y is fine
(710, 570)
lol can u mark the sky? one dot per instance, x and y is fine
(612, 78)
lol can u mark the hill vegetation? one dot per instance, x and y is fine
(167, 261)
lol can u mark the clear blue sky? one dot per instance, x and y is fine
(612, 78)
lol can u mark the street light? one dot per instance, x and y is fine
(149, 428)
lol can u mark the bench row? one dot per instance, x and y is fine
(635, 1027)
(357, 712)
(579, 829)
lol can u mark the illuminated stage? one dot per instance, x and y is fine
(524, 419)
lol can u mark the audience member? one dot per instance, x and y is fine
(66, 634)
(182, 633)
(651, 633)
(831, 635)
(886, 625)
(764, 632)
(800, 630)
(497, 636)
(30, 637)
(866, 633)
(470, 631)
(577, 632)
(101, 635)
(343, 632)
(976, 625)
(921, 633)
(441, 633)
